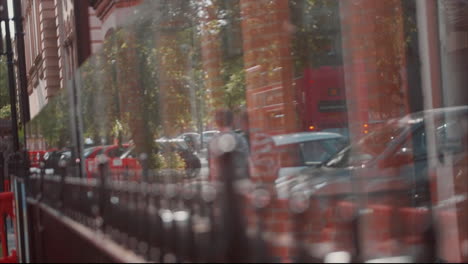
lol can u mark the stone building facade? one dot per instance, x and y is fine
(59, 36)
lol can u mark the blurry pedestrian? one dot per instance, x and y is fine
(228, 141)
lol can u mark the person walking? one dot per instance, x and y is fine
(228, 141)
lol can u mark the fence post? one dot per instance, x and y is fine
(103, 191)
(236, 246)
(261, 200)
(2, 172)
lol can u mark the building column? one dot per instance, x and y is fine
(212, 57)
(374, 62)
(267, 30)
(270, 91)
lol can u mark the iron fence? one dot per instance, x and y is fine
(169, 217)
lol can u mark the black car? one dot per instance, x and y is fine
(179, 146)
(167, 146)
(53, 159)
(193, 140)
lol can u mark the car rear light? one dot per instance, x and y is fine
(312, 128)
(365, 128)
(333, 92)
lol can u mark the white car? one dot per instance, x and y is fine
(302, 150)
(308, 149)
(208, 136)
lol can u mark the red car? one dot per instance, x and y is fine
(35, 158)
(126, 166)
(110, 151)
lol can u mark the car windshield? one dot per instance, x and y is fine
(129, 153)
(180, 145)
(368, 148)
(115, 151)
(210, 133)
(89, 151)
(321, 150)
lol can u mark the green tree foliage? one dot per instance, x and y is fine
(317, 39)
(54, 122)
(234, 86)
(158, 48)
(5, 111)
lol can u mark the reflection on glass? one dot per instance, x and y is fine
(310, 103)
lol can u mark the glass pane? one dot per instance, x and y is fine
(284, 130)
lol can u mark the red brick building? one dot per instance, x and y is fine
(112, 12)
(374, 62)
(267, 34)
(59, 36)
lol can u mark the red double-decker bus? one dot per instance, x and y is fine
(322, 99)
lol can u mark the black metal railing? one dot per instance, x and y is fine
(164, 218)
(169, 217)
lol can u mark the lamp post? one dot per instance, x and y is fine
(20, 63)
(11, 72)
(18, 186)
(23, 82)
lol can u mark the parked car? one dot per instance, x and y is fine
(52, 159)
(192, 139)
(310, 149)
(35, 158)
(395, 186)
(128, 163)
(191, 160)
(397, 151)
(208, 136)
(110, 151)
(282, 156)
